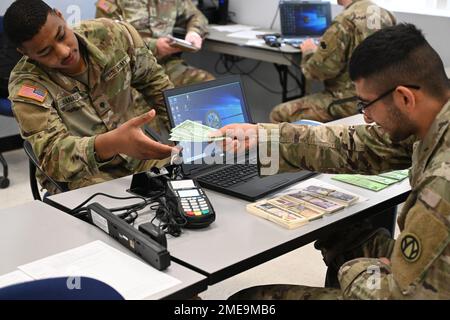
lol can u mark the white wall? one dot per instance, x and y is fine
(86, 7)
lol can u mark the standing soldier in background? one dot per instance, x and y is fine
(154, 20)
(329, 63)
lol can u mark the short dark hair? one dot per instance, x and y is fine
(399, 55)
(24, 19)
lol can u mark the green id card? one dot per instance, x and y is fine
(360, 182)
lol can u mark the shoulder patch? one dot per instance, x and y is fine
(431, 198)
(411, 247)
(33, 93)
(106, 6)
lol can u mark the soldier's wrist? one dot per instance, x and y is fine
(104, 149)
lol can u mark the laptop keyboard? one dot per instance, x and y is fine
(230, 175)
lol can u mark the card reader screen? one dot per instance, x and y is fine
(182, 184)
(188, 193)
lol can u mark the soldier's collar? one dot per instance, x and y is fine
(437, 128)
(353, 2)
(93, 51)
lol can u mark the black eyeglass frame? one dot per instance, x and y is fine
(362, 106)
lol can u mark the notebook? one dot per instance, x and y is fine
(217, 103)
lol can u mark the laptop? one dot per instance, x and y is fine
(301, 20)
(217, 103)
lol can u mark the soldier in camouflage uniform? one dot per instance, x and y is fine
(329, 63)
(154, 20)
(71, 95)
(402, 86)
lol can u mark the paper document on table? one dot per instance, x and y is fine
(246, 34)
(232, 28)
(256, 42)
(132, 278)
(14, 277)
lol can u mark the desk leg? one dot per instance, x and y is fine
(283, 72)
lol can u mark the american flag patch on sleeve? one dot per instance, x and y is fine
(31, 92)
(105, 6)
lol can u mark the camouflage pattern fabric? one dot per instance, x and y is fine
(329, 63)
(158, 18)
(287, 292)
(419, 266)
(62, 127)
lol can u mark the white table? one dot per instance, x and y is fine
(36, 230)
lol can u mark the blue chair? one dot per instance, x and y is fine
(5, 109)
(58, 289)
(34, 166)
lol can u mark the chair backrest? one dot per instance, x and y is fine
(60, 289)
(34, 165)
(5, 107)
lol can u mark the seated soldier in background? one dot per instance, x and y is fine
(329, 63)
(71, 95)
(154, 20)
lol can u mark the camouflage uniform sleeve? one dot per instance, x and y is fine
(112, 9)
(331, 56)
(330, 149)
(192, 19)
(420, 262)
(148, 77)
(62, 156)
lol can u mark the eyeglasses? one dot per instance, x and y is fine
(362, 106)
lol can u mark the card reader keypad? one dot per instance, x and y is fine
(195, 206)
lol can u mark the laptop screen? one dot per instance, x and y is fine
(304, 18)
(214, 103)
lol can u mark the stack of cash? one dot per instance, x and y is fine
(298, 208)
(191, 131)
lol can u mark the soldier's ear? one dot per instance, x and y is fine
(21, 51)
(59, 14)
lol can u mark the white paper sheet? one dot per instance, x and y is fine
(14, 277)
(232, 28)
(247, 34)
(256, 42)
(132, 278)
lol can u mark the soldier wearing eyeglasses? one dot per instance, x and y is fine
(404, 94)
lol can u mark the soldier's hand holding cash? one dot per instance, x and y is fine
(237, 138)
(191, 131)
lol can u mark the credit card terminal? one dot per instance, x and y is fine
(192, 203)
